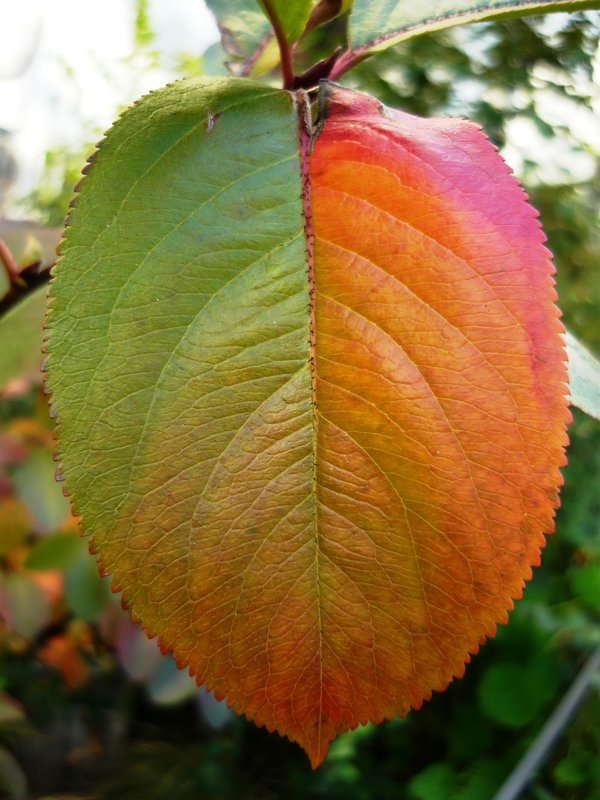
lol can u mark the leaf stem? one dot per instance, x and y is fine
(9, 264)
(285, 49)
(346, 62)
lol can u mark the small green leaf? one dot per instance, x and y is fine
(292, 16)
(13, 782)
(214, 61)
(15, 524)
(137, 654)
(436, 782)
(586, 584)
(56, 552)
(216, 713)
(11, 711)
(22, 604)
(512, 694)
(87, 594)
(169, 684)
(21, 337)
(584, 377)
(35, 483)
(244, 30)
(376, 25)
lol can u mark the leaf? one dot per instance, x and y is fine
(62, 654)
(23, 604)
(214, 61)
(21, 337)
(292, 16)
(137, 654)
(312, 407)
(35, 483)
(247, 35)
(245, 31)
(11, 711)
(169, 685)
(437, 782)
(514, 694)
(586, 584)
(13, 781)
(584, 377)
(86, 593)
(215, 713)
(15, 524)
(376, 25)
(57, 552)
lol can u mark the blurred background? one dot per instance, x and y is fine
(88, 706)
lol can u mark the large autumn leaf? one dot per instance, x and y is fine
(311, 394)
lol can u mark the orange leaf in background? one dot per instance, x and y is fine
(62, 653)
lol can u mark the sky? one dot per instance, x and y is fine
(63, 68)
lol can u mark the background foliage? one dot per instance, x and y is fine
(90, 709)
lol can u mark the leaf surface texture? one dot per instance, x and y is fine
(310, 392)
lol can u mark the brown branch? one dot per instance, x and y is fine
(285, 49)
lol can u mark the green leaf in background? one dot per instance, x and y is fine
(436, 782)
(21, 337)
(87, 594)
(376, 25)
(13, 783)
(245, 30)
(214, 61)
(584, 377)
(35, 483)
(586, 585)
(58, 552)
(15, 524)
(11, 711)
(137, 654)
(512, 695)
(292, 16)
(168, 684)
(23, 604)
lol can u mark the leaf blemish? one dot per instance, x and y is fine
(211, 121)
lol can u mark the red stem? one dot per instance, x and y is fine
(346, 62)
(6, 257)
(285, 49)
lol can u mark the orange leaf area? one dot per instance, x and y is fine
(440, 403)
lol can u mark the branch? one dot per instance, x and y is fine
(285, 49)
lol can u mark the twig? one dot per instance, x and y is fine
(545, 740)
(347, 61)
(285, 49)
